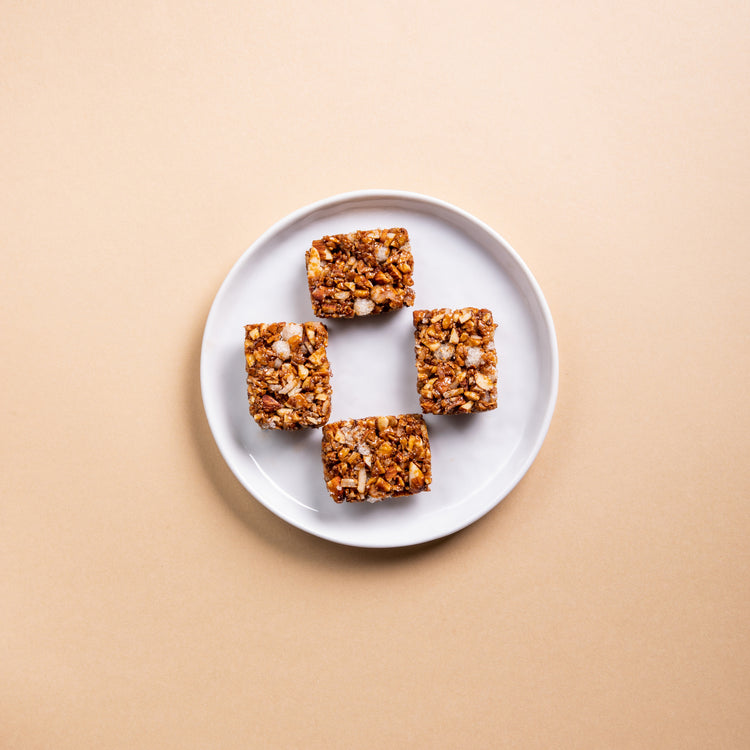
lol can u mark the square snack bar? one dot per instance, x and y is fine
(361, 273)
(456, 360)
(376, 457)
(288, 375)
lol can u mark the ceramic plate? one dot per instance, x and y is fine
(476, 459)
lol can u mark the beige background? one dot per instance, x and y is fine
(147, 601)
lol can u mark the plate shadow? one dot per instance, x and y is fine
(257, 519)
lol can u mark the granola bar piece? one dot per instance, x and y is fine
(361, 273)
(376, 457)
(288, 375)
(456, 360)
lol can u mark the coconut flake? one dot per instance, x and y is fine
(381, 253)
(444, 351)
(291, 329)
(281, 348)
(363, 306)
(287, 386)
(346, 435)
(473, 356)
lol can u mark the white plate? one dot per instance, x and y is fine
(476, 459)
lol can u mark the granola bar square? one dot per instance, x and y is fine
(288, 374)
(456, 360)
(376, 457)
(361, 273)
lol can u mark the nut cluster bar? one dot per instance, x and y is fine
(376, 457)
(456, 360)
(361, 273)
(288, 375)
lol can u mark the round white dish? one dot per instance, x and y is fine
(476, 459)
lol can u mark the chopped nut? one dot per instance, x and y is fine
(484, 382)
(270, 403)
(378, 296)
(416, 477)
(314, 268)
(317, 358)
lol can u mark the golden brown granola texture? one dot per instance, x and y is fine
(288, 374)
(361, 273)
(376, 457)
(456, 360)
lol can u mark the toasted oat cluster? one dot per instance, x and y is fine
(288, 375)
(361, 273)
(376, 457)
(456, 360)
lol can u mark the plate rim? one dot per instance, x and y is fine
(367, 195)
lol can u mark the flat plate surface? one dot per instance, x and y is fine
(477, 459)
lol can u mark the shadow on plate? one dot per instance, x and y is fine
(255, 516)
